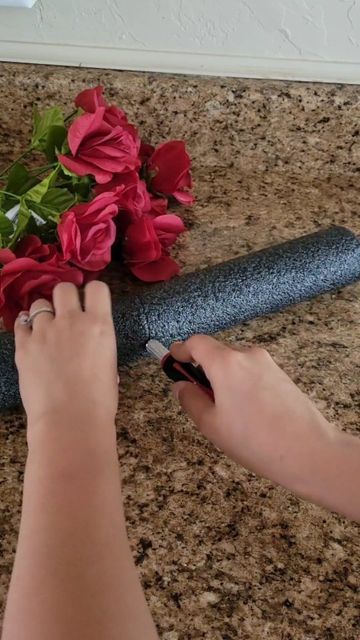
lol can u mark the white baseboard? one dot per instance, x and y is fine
(177, 62)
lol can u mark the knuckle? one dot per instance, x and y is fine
(97, 286)
(40, 302)
(259, 352)
(230, 356)
(195, 340)
(200, 344)
(64, 286)
(98, 325)
(68, 320)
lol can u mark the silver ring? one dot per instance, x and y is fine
(33, 315)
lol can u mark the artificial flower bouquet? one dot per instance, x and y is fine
(102, 188)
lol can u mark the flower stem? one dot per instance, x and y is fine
(6, 170)
(39, 170)
(71, 115)
(12, 195)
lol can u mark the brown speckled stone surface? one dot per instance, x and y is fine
(223, 554)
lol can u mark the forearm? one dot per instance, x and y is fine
(74, 575)
(335, 479)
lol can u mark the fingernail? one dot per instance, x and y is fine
(23, 318)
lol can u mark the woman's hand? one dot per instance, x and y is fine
(261, 419)
(74, 576)
(67, 361)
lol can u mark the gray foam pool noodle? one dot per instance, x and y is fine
(221, 296)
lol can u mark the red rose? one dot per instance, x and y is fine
(147, 258)
(132, 198)
(167, 228)
(169, 169)
(146, 150)
(102, 144)
(31, 273)
(132, 194)
(158, 206)
(91, 99)
(87, 232)
(32, 247)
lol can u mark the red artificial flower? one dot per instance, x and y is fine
(31, 247)
(132, 194)
(167, 228)
(132, 198)
(91, 99)
(146, 150)
(29, 273)
(146, 254)
(158, 206)
(87, 232)
(169, 170)
(102, 145)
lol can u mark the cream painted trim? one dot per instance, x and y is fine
(177, 62)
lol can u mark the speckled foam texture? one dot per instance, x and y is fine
(254, 285)
(221, 296)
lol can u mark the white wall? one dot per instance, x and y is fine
(297, 39)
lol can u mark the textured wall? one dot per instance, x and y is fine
(272, 35)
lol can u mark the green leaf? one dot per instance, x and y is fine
(47, 232)
(82, 187)
(46, 213)
(6, 229)
(6, 226)
(32, 227)
(42, 123)
(18, 183)
(48, 201)
(54, 202)
(22, 221)
(59, 199)
(7, 202)
(17, 177)
(67, 172)
(37, 193)
(65, 149)
(54, 141)
(49, 131)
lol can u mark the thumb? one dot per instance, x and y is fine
(195, 403)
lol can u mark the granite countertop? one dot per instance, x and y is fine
(221, 553)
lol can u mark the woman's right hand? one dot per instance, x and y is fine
(260, 418)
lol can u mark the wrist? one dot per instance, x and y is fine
(75, 434)
(316, 467)
(340, 492)
(332, 478)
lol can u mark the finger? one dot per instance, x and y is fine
(201, 349)
(98, 298)
(43, 319)
(22, 329)
(66, 298)
(195, 403)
